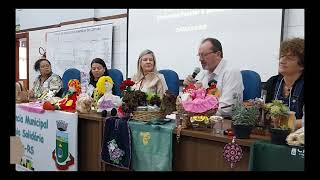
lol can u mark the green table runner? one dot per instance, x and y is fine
(265, 156)
(151, 146)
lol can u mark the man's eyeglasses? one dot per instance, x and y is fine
(202, 56)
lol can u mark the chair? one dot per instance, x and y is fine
(71, 73)
(252, 84)
(172, 80)
(117, 78)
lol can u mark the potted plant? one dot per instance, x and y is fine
(244, 118)
(279, 114)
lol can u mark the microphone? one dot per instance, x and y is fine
(195, 72)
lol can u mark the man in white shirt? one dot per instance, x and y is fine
(215, 68)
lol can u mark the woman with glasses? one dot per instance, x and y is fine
(147, 78)
(47, 84)
(288, 85)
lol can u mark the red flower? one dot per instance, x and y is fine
(120, 109)
(122, 87)
(126, 84)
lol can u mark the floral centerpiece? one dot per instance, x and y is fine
(125, 85)
(198, 101)
(139, 105)
(129, 103)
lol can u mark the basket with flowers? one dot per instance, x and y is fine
(198, 103)
(139, 105)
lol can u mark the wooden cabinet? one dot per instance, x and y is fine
(90, 134)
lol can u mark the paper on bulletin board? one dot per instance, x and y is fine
(77, 47)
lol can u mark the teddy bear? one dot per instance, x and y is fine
(84, 103)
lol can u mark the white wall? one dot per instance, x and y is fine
(294, 23)
(37, 39)
(32, 18)
(260, 29)
(108, 12)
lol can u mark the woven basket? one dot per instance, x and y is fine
(208, 113)
(186, 119)
(147, 115)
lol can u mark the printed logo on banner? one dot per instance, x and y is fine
(63, 159)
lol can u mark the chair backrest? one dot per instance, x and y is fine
(71, 73)
(252, 84)
(117, 78)
(172, 80)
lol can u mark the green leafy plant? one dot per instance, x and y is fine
(276, 108)
(279, 114)
(153, 99)
(242, 115)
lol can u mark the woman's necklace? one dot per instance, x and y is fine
(287, 90)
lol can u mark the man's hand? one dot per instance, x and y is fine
(189, 80)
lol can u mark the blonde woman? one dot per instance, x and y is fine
(147, 78)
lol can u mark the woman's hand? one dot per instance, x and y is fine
(30, 93)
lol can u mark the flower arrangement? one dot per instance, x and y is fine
(168, 103)
(126, 85)
(203, 119)
(132, 99)
(196, 99)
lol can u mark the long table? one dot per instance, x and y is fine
(202, 150)
(197, 150)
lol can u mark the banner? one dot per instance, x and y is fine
(50, 140)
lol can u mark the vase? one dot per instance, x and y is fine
(291, 120)
(242, 131)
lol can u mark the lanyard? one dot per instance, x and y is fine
(279, 90)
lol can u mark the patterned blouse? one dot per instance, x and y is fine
(53, 83)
